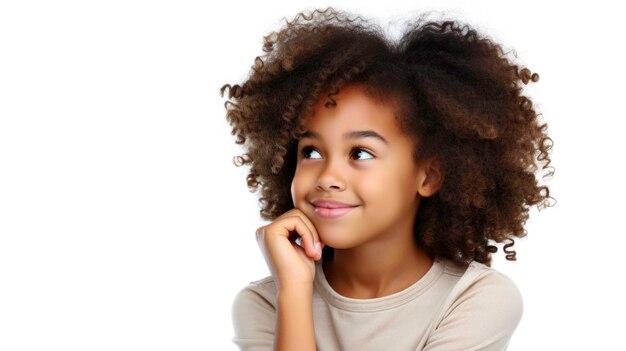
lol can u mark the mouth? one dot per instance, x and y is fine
(325, 212)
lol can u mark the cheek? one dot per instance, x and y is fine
(375, 187)
(294, 190)
(388, 185)
(297, 188)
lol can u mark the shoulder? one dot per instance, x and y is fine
(486, 287)
(497, 288)
(479, 277)
(483, 310)
(254, 314)
(256, 298)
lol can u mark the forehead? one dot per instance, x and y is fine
(354, 110)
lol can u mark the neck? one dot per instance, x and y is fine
(364, 273)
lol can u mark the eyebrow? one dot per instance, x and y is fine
(349, 135)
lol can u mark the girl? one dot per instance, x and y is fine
(385, 169)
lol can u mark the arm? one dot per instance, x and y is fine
(294, 325)
(277, 313)
(262, 324)
(293, 270)
(483, 317)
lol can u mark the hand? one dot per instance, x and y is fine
(291, 265)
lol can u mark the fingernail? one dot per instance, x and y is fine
(318, 247)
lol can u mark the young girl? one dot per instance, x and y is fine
(385, 168)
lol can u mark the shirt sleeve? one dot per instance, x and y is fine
(483, 317)
(254, 320)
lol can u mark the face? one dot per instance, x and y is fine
(375, 175)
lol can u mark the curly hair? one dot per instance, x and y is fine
(457, 95)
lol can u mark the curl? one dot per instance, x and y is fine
(456, 93)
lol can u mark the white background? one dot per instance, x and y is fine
(124, 224)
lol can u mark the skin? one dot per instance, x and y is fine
(375, 253)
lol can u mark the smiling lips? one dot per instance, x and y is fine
(331, 209)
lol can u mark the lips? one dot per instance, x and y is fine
(331, 209)
(330, 204)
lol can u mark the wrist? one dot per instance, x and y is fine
(295, 291)
(295, 288)
(294, 329)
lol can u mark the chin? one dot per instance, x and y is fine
(335, 240)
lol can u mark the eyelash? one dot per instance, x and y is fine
(306, 148)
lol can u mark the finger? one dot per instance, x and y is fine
(309, 225)
(302, 253)
(283, 228)
(307, 241)
(313, 232)
(316, 237)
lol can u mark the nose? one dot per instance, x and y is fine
(330, 178)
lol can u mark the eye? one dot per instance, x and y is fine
(306, 150)
(358, 150)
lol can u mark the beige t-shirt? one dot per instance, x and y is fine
(449, 308)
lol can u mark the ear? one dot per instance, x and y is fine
(430, 178)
